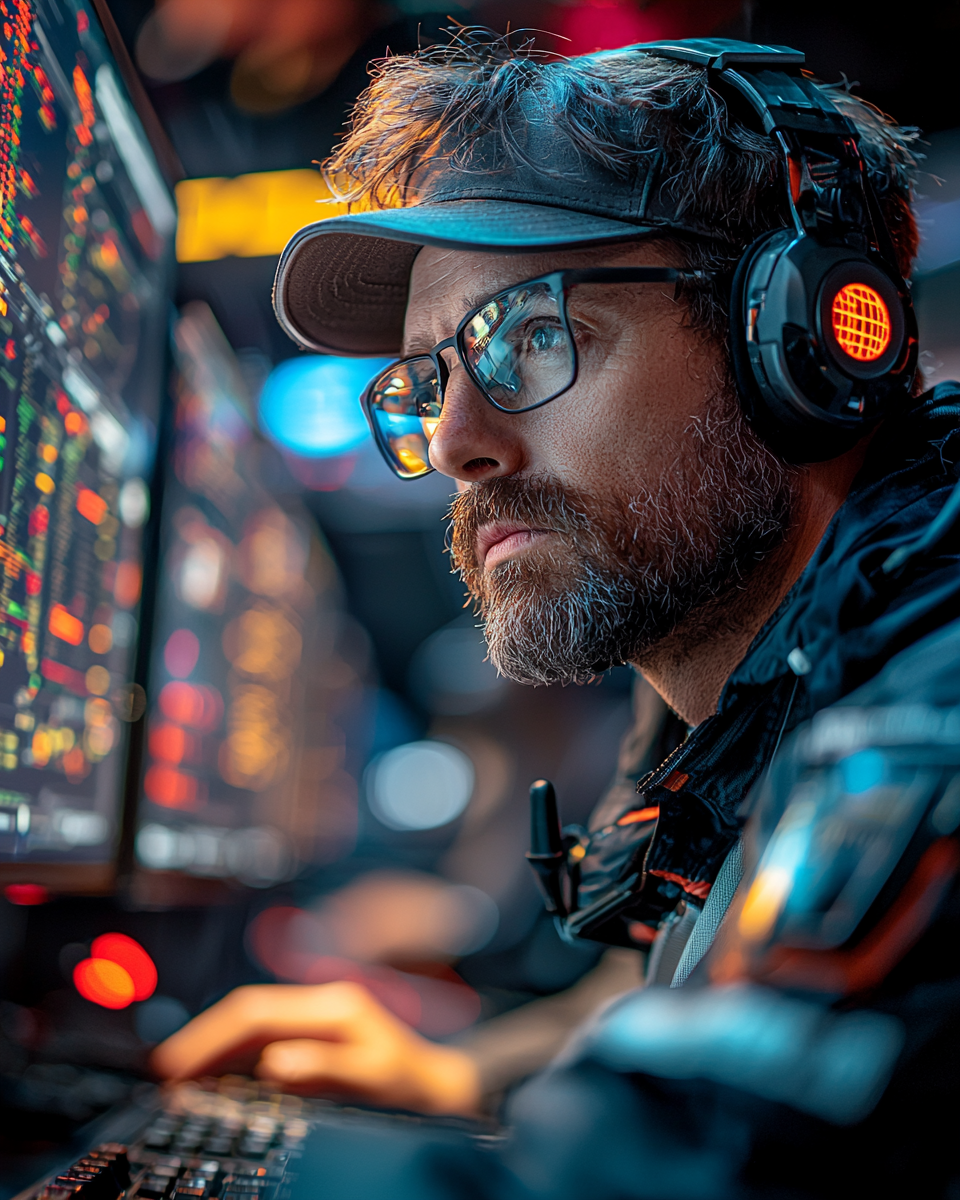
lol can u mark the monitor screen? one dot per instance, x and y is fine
(86, 228)
(250, 688)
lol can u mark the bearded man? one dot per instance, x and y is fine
(567, 257)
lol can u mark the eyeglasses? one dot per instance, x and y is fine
(517, 348)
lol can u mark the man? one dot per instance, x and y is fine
(628, 492)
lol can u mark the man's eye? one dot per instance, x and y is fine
(545, 338)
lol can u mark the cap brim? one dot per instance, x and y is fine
(341, 286)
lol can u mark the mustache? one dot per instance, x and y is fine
(541, 503)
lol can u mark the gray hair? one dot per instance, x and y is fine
(612, 109)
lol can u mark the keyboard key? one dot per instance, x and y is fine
(218, 1145)
(116, 1156)
(155, 1187)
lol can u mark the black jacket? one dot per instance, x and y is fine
(588, 1128)
(847, 617)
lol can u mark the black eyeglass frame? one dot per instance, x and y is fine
(560, 283)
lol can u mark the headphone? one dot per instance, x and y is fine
(823, 334)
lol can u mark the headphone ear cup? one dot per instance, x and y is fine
(752, 400)
(774, 300)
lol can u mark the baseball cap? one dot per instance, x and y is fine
(341, 285)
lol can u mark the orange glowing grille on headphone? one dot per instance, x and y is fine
(861, 322)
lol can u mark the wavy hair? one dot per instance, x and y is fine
(611, 109)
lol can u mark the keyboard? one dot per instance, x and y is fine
(226, 1139)
(232, 1141)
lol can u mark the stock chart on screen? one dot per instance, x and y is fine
(86, 223)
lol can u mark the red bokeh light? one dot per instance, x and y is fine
(127, 580)
(609, 24)
(194, 705)
(171, 788)
(181, 652)
(26, 893)
(91, 505)
(75, 423)
(126, 953)
(65, 626)
(607, 27)
(38, 521)
(171, 744)
(104, 982)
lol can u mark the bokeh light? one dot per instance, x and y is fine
(311, 405)
(420, 785)
(126, 587)
(451, 673)
(104, 982)
(100, 639)
(171, 788)
(26, 893)
(117, 972)
(258, 856)
(130, 955)
(181, 652)
(194, 705)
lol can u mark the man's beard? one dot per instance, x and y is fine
(624, 570)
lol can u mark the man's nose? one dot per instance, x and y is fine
(473, 440)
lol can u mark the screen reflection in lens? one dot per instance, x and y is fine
(518, 347)
(405, 407)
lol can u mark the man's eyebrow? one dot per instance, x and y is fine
(465, 304)
(475, 299)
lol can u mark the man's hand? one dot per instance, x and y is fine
(328, 1038)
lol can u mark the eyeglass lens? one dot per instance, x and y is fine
(517, 347)
(405, 408)
(518, 350)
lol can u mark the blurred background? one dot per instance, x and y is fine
(332, 779)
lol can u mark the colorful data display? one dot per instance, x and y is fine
(244, 776)
(86, 226)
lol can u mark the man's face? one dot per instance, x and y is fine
(588, 528)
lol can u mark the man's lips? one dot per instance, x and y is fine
(500, 539)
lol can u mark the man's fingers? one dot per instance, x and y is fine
(397, 1072)
(305, 1062)
(332, 1037)
(237, 1028)
(378, 1071)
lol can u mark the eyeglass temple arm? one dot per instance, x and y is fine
(632, 275)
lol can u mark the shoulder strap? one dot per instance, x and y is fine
(714, 910)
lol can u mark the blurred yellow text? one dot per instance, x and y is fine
(249, 216)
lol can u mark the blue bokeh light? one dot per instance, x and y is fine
(311, 405)
(862, 771)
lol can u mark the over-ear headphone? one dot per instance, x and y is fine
(823, 334)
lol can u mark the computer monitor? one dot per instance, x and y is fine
(246, 778)
(86, 230)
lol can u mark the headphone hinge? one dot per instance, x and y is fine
(826, 191)
(823, 332)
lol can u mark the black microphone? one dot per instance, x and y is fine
(546, 855)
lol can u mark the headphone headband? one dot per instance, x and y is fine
(819, 143)
(823, 334)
